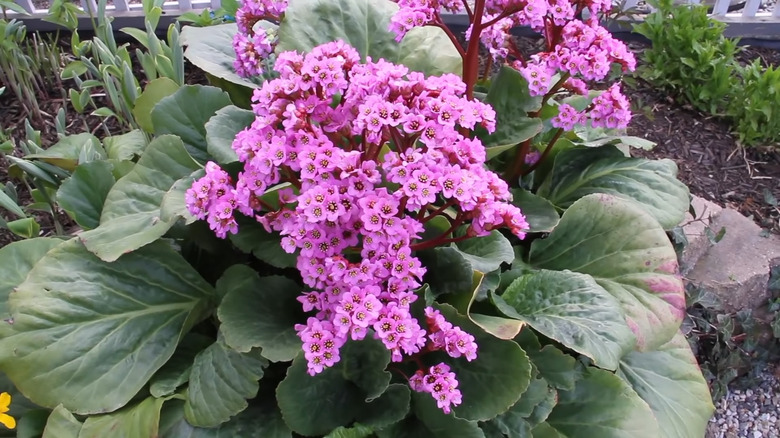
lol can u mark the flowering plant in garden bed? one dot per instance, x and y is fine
(379, 238)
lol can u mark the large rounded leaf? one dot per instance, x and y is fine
(601, 405)
(652, 183)
(259, 420)
(185, 113)
(364, 25)
(625, 250)
(487, 253)
(141, 420)
(572, 309)
(222, 129)
(83, 194)
(61, 424)
(90, 334)
(670, 381)
(428, 421)
(315, 405)
(18, 259)
(260, 312)
(210, 48)
(221, 380)
(131, 215)
(509, 96)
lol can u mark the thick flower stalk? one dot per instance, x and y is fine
(361, 157)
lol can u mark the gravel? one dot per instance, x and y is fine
(752, 412)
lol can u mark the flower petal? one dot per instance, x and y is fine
(8, 421)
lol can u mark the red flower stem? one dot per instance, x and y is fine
(471, 61)
(438, 211)
(512, 172)
(443, 238)
(468, 10)
(545, 152)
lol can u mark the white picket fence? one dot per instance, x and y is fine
(748, 21)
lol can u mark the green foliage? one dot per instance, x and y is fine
(689, 57)
(30, 66)
(730, 344)
(145, 324)
(756, 114)
(100, 66)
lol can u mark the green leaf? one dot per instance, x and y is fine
(625, 250)
(652, 183)
(174, 202)
(126, 146)
(211, 49)
(176, 371)
(18, 259)
(509, 91)
(544, 430)
(487, 253)
(357, 431)
(141, 420)
(11, 205)
(185, 113)
(221, 380)
(502, 328)
(511, 130)
(90, 334)
(131, 213)
(539, 212)
(62, 424)
(26, 228)
(670, 381)
(263, 420)
(32, 423)
(390, 407)
(534, 406)
(72, 150)
(510, 98)
(428, 421)
(448, 271)
(601, 405)
(10, 5)
(153, 93)
(558, 368)
(83, 194)
(364, 25)
(260, 312)
(253, 238)
(315, 405)
(492, 382)
(572, 309)
(222, 129)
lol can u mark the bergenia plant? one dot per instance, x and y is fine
(384, 224)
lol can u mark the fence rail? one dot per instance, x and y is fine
(746, 21)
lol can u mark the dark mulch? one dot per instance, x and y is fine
(710, 161)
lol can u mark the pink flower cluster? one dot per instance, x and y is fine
(609, 109)
(361, 156)
(580, 50)
(252, 46)
(441, 383)
(417, 13)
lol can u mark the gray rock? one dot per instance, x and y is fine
(737, 268)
